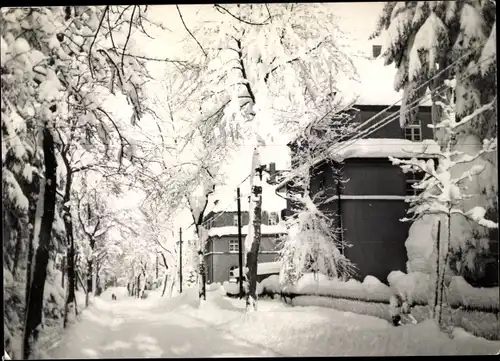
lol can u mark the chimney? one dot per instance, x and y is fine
(377, 49)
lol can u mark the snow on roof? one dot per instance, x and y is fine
(233, 230)
(374, 83)
(384, 147)
(264, 268)
(270, 201)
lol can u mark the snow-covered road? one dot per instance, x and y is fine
(141, 328)
(180, 327)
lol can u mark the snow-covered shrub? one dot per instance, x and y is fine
(271, 284)
(371, 289)
(312, 244)
(214, 286)
(413, 288)
(231, 288)
(395, 304)
(480, 324)
(376, 309)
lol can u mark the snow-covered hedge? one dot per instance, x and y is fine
(414, 287)
(371, 289)
(214, 286)
(461, 293)
(271, 285)
(231, 288)
(376, 309)
(480, 324)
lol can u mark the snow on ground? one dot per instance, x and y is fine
(182, 327)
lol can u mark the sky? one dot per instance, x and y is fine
(356, 19)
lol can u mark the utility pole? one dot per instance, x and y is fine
(240, 246)
(180, 259)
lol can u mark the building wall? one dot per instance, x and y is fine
(373, 176)
(371, 227)
(376, 236)
(222, 219)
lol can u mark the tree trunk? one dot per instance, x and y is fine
(252, 255)
(138, 286)
(70, 242)
(445, 265)
(89, 275)
(34, 306)
(165, 285)
(63, 270)
(438, 248)
(156, 267)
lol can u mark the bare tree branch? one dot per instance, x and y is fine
(128, 37)
(219, 8)
(189, 31)
(94, 40)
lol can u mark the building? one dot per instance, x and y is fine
(370, 205)
(222, 250)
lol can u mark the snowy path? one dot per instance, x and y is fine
(180, 327)
(139, 328)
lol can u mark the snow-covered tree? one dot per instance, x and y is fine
(430, 42)
(52, 61)
(444, 193)
(262, 65)
(313, 242)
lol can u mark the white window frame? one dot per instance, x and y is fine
(274, 217)
(235, 220)
(410, 179)
(233, 244)
(413, 130)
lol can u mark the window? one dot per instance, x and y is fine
(413, 130)
(234, 246)
(235, 220)
(232, 276)
(273, 218)
(411, 179)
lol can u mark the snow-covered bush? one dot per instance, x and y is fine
(214, 286)
(271, 284)
(371, 289)
(376, 309)
(480, 324)
(231, 288)
(414, 288)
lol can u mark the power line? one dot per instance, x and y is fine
(391, 116)
(395, 116)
